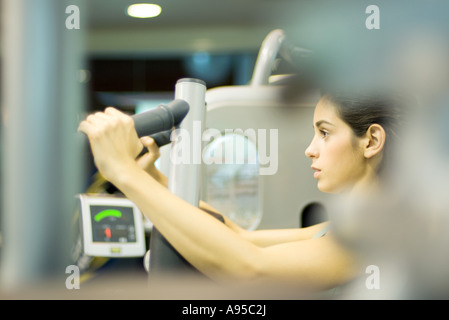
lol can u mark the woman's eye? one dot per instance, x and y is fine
(324, 134)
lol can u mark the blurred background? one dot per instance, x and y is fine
(214, 41)
(56, 71)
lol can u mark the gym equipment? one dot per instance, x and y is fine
(268, 103)
(273, 111)
(111, 226)
(260, 106)
(120, 232)
(111, 239)
(161, 120)
(184, 178)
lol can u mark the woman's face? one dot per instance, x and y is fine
(337, 154)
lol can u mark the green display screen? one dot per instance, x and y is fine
(112, 224)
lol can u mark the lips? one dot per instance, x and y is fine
(316, 173)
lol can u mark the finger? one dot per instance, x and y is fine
(119, 115)
(101, 115)
(147, 141)
(112, 111)
(97, 118)
(114, 114)
(85, 127)
(150, 144)
(90, 130)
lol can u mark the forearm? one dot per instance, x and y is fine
(267, 237)
(205, 242)
(270, 237)
(260, 238)
(163, 180)
(160, 177)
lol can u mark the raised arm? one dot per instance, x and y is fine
(209, 245)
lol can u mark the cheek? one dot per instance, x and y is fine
(343, 166)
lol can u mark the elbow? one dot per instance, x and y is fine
(242, 269)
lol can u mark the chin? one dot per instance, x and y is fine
(322, 188)
(326, 189)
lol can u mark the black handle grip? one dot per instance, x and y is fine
(158, 123)
(163, 118)
(162, 138)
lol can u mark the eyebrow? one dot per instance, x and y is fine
(320, 122)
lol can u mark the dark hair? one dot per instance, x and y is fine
(360, 110)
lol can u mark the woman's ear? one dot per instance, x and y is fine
(375, 136)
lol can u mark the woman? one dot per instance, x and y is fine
(347, 152)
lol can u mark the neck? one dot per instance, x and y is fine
(367, 185)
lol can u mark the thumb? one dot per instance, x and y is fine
(149, 143)
(147, 140)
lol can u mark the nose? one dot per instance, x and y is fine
(311, 150)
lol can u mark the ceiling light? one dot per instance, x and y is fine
(144, 10)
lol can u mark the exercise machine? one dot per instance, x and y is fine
(111, 225)
(283, 189)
